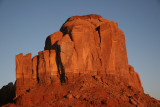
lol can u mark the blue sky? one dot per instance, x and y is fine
(25, 24)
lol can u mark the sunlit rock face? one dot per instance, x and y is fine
(85, 61)
(84, 45)
(99, 47)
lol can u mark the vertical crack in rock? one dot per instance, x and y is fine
(60, 66)
(50, 66)
(98, 29)
(37, 69)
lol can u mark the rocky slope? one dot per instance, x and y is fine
(83, 64)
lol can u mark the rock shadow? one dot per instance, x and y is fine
(61, 70)
(57, 48)
(7, 93)
(48, 44)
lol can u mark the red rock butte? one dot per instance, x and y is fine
(85, 48)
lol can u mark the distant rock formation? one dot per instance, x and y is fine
(87, 51)
(7, 93)
(84, 45)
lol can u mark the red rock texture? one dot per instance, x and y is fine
(83, 64)
(91, 44)
(41, 69)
